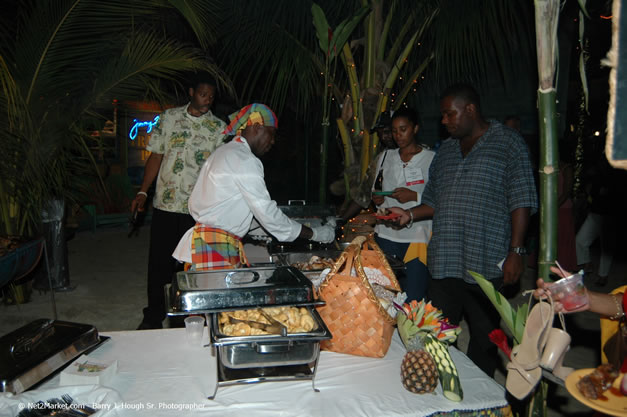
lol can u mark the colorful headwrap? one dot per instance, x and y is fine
(248, 116)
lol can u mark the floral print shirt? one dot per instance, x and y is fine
(185, 141)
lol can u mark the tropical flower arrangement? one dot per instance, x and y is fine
(419, 318)
(426, 332)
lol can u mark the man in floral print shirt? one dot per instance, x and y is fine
(179, 146)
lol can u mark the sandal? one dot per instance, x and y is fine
(524, 372)
(560, 372)
(556, 346)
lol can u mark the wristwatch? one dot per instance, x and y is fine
(520, 250)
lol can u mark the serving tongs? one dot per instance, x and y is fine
(24, 345)
(274, 322)
(274, 327)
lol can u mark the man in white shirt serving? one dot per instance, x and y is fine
(231, 190)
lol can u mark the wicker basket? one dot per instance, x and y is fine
(359, 324)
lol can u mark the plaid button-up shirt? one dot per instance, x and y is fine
(473, 198)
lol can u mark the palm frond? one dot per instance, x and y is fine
(471, 36)
(82, 55)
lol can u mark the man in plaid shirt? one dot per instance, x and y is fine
(480, 194)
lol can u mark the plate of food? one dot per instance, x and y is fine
(599, 389)
(382, 193)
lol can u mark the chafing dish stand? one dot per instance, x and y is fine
(252, 359)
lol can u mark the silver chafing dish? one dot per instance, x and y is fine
(239, 352)
(299, 209)
(258, 358)
(35, 351)
(310, 215)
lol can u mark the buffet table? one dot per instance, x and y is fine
(160, 374)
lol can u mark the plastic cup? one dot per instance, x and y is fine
(194, 327)
(570, 291)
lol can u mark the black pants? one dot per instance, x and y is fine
(166, 230)
(458, 299)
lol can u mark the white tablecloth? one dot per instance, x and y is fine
(160, 374)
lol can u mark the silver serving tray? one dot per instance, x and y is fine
(269, 350)
(37, 350)
(299, 245)
(236, 289)
(300, 208)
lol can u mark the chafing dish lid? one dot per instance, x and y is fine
(232, 289)
(39, 348)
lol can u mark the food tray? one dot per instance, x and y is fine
(300, 209)
(38, 349)
(269, 350)
(290, 258)
(236, 289)
(299, 245)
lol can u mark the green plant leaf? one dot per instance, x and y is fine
(58, 81)
(514, 320)
(582, 6)
(322, 27)
(344, 30)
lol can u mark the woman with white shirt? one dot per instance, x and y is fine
(405, 173)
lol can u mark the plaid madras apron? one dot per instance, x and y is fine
(216, 249)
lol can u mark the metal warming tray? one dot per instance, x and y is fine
(38, 349)
(259, 358)
(235, 289)
(300, 209)
(299, 245)
(269, 350)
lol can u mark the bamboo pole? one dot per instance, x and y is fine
(546, 19)
(549, 160)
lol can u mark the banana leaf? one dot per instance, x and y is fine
(513, 319)
(330, 41)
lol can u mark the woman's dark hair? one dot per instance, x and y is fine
(408, 113)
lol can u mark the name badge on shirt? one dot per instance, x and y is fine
(413, 176)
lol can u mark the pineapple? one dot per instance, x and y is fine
(419, 372)
(423, 329)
